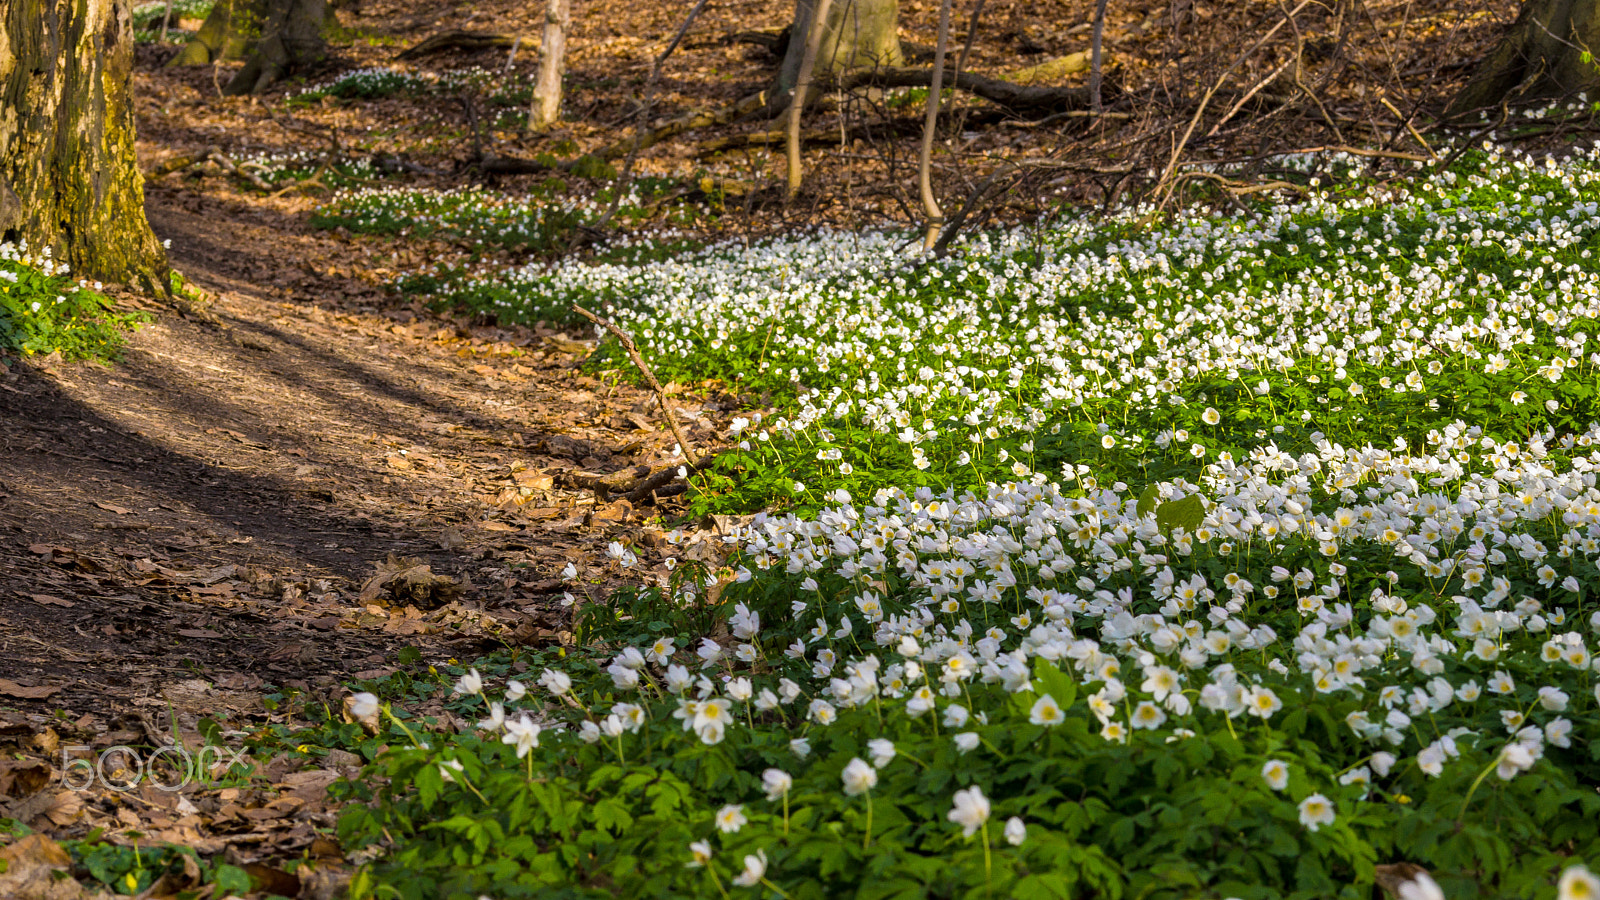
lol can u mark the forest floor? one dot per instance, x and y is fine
(243, 507)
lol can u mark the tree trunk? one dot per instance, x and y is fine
(291, 38)
(1541, 55)
(546, 106)
(273, 37)
(68, 177)
(224, 35)
(857, 34)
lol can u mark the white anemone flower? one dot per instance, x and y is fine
(971, 810)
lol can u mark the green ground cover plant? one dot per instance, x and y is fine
(495, 89)
(539, 221)
(147, 18)
(43, 310)
(1128, 556)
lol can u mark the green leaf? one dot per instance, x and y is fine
(1055, 682)
(1148, 501)
(1187, 513)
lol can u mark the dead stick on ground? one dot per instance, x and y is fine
(644, 368)
(222, 160)
(1406, 121)
(1162, 186)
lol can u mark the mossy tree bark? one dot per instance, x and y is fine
(858, 34)
(226, 34)
(273, 37)
(69, 180)
(1540, 56)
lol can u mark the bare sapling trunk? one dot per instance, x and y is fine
(69, 181)
(802, 89)
(1549, 51)
(930, 204)
(1096, 73)
(552, 63)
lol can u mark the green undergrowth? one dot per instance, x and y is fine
(540, 221)
(44, 311)
(950, 372)
(147, 19)
(1199, 555)
(128, 869)
(492, 89)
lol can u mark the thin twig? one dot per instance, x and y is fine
(222, 160)
(1269, 78)
(648, 100)
(649, 376)
(1406, 121)
(1162, 188)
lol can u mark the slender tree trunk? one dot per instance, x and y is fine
(1096, 41)
(1540, 55)
(68, 177)
(930, 203)
(802, 90)
(552, 63)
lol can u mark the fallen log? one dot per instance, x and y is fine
(456, 40)
(1016, 97)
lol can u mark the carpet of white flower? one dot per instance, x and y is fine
(470, 214)
(1308, 495)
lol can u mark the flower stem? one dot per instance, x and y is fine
(866, 840)
(1474, 789)
(988, 864)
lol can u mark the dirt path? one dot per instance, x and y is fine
(212, 507)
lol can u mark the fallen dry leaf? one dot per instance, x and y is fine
(405, 580)
(23, 692)
(21, 777)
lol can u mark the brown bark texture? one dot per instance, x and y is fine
(546, 107)
(290, 38)
(1540, 56)
(68, 176)
(857, 34)
(224, 35)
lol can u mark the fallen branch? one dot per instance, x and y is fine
(512, 165)
(1012, 96)
(216, 155)
(826, 136)
(635, 143)
(1162, 183)
(649, 376)
(451, 40)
